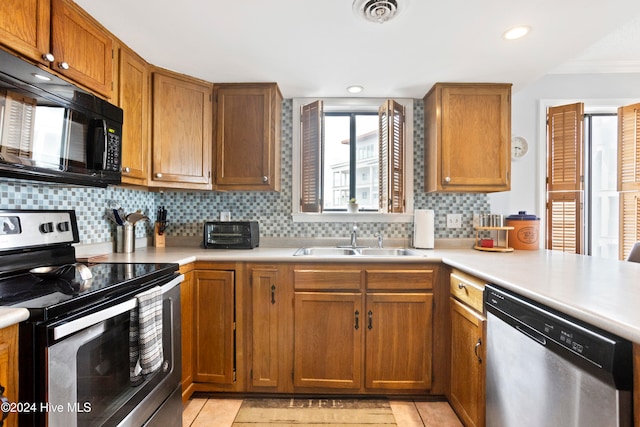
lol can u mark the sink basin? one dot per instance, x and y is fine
(329, 252)
(325, 251)
(388, 252)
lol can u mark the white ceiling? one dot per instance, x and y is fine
(319, 47)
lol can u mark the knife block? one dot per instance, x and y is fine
(158, 239)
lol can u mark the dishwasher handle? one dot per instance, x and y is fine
(532, 333)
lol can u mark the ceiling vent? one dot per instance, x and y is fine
(376, 10)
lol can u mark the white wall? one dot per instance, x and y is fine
(528, 115)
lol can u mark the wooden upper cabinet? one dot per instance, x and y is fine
(468, 137)
(81, 48)
(133, 97)
(182, 127)
(247, 139)
(25, 27)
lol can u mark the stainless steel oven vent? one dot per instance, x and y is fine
(376, 10)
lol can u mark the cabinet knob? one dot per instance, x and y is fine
(126, 170)
(265, 179)
(63, 65)
(48, 57)
(447, 179)
(159, 175)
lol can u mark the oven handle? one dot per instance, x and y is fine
(102, 315)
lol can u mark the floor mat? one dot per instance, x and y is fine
(315, 412)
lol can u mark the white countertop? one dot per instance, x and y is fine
(603, 293)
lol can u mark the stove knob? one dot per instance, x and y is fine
(47, 227)
(63, 226)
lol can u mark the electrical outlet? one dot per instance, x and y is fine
(225, 216)
(454, 220)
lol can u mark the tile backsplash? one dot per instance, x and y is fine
(187, 211)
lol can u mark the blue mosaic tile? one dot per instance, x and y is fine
(187, 211)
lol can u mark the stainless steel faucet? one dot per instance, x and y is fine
(380, 239)
(354, 235)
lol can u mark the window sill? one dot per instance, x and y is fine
(352, 217)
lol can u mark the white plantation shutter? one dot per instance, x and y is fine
(565, 178)
(18, 123)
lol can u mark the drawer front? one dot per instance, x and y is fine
(322, 279)
(467, 289)
(389, 280)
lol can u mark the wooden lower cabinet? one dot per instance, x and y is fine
(187, 305)
(398, 341)
(215, 335)
(468, 337)
(363, 329)
(9, 368)
(270, 327)
(328, 340)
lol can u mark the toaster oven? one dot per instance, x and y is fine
(231, 234)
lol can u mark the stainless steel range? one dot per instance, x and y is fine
(102, 344)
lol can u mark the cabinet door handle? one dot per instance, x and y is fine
(447, 179)
(265, 179)
(48, 57)
(273, 294)
(475, 349)
(357, 320)
(461, 285)
(63, 66)
(370, 313)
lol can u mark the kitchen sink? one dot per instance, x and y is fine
(325, 251)
(358, 252)
(388, 252)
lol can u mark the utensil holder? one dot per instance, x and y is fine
(158, 240)
(119, 239)
(129, 241)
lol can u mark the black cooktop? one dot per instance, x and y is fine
(49, 298)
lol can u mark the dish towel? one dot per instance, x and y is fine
(145, 335)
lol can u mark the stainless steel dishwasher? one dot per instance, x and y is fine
(547, 369)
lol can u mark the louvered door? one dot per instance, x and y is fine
(629, 177)
(629, 222)
(629, 148)
(565, 178)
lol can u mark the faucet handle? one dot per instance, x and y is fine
(380, 237)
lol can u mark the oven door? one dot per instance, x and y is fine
(88, 369)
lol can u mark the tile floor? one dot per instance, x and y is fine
(203, 411)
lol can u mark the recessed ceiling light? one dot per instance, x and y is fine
(355, 89)
(41, 76)
(516, 32)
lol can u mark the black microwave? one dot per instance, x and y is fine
(51, 130)
(231, 235)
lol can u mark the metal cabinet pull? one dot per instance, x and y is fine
(63, 66)
(475, 349)
(357, 320)
(273, 294)
(461, 285)
(48, 57)
(370, 313)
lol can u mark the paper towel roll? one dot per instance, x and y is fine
(423, 228)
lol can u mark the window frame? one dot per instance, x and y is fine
(346, 105)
